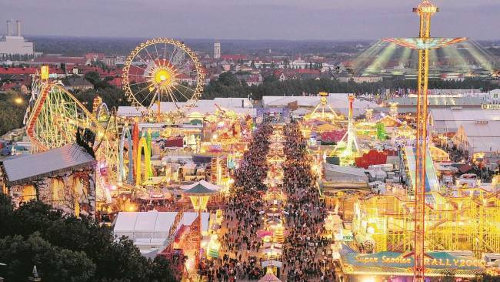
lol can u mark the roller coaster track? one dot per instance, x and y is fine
(55, 117)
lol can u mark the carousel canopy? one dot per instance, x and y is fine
(201, 188)
(37, 166)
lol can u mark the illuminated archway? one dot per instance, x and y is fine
(135, 141)
(143, 147)
(102, 112)
(121, 166)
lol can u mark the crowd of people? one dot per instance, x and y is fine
(305, 255)
(240, 259)
(253, 167)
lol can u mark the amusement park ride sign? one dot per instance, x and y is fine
(402, 261)
(395, 263)
(490, 106)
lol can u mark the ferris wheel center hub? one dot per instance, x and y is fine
(163, 77)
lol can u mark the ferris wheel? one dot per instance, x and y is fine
(163, 70)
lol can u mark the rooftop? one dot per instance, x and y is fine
(201, 107)
(40, 165)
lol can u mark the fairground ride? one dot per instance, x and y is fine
(163, 70)
(54, 116)
(347, 148)
(424, 43)
(323, 110)
(465, 222)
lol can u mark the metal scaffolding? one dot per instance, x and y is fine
(465, 222)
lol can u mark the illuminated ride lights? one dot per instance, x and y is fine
(424, 43)
(163, 70)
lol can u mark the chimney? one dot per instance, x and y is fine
(9, 31)
(18, 22)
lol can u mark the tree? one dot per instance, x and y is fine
(228, 79)
(270, 79)
(113, 97)
(66, 248)
(53, 263)
(228, 86)
(93, 77)
(286, 62)
(6, 209)
(11, 113)
(160, 267)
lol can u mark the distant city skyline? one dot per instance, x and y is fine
(250, 19)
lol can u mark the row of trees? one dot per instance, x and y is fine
(112, 96)
(227, 85)
(66, 248)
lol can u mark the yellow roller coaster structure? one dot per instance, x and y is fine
(54, 116)
(469, 221)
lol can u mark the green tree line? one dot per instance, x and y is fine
(227, 85)
(66, 248)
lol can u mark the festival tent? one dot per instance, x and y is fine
(71, 157)
(344, 174)
(149, 230)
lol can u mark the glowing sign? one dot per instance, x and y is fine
(44, 72)
(433, 260)
(490, 106)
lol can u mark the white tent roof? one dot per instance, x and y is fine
(344, 174)
(233, 102)
(338, 101)
(152, 224)
(460, 115)
(482, 136)
(476, 129)
(201, 106)
(345, 169)
(36, 166)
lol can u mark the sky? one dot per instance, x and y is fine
(250, 19)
